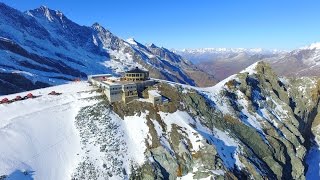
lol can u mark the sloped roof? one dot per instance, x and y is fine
(154, 93)
(136, 70)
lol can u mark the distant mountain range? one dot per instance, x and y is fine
(42, 47)
(223, 62)
(206, 54)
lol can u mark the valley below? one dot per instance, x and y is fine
(224, 62)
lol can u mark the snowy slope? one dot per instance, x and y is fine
(39, 136)
(52, 145)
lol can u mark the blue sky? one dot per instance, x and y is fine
(280, 24)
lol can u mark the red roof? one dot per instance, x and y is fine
(52, 93)
(30, 95)
(5, 100)
(18, 97)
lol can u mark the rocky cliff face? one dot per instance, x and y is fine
(251, 125)
(44, 47)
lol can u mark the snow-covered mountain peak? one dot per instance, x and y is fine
(44, 10)
(252, 69)
(154, 46)
(312, 46)
(59, 14)
(132, 41)
(97, 26)
(101, 30)
(151, 45)
(49, 14)
(315, 45)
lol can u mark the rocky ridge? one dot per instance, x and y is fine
(251, 125)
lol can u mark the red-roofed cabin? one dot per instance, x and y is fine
(5, 100)
(53, 93)
(18, 98)
(30, 95)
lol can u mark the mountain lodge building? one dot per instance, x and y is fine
(136, 75)
(126, 88)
